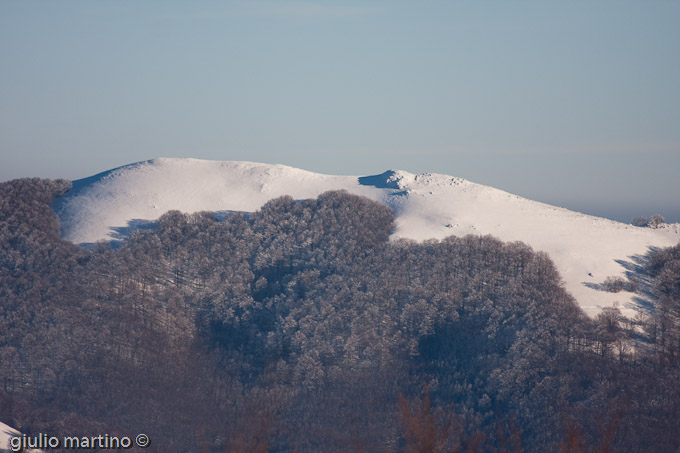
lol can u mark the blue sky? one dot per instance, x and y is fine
(575, 103)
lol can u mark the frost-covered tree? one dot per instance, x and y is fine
(640, 221)
(656, 221)
(296, 327)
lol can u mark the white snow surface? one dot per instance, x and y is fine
(104, 206)
(6, 432)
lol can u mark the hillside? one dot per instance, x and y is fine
(302, 327)
(586, 249)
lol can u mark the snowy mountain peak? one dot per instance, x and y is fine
(586, 249)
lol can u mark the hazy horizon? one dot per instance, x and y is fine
(539, 188)
(573, 104)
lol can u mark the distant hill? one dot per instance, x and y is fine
(586, 249)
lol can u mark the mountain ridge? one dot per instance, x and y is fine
(585, 248)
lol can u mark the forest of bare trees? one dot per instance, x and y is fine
(301, 327)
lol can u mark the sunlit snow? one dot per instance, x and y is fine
(586, 249)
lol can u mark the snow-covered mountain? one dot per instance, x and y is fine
(586, 249)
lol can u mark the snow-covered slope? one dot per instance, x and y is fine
(7, 432)
(585, 248)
